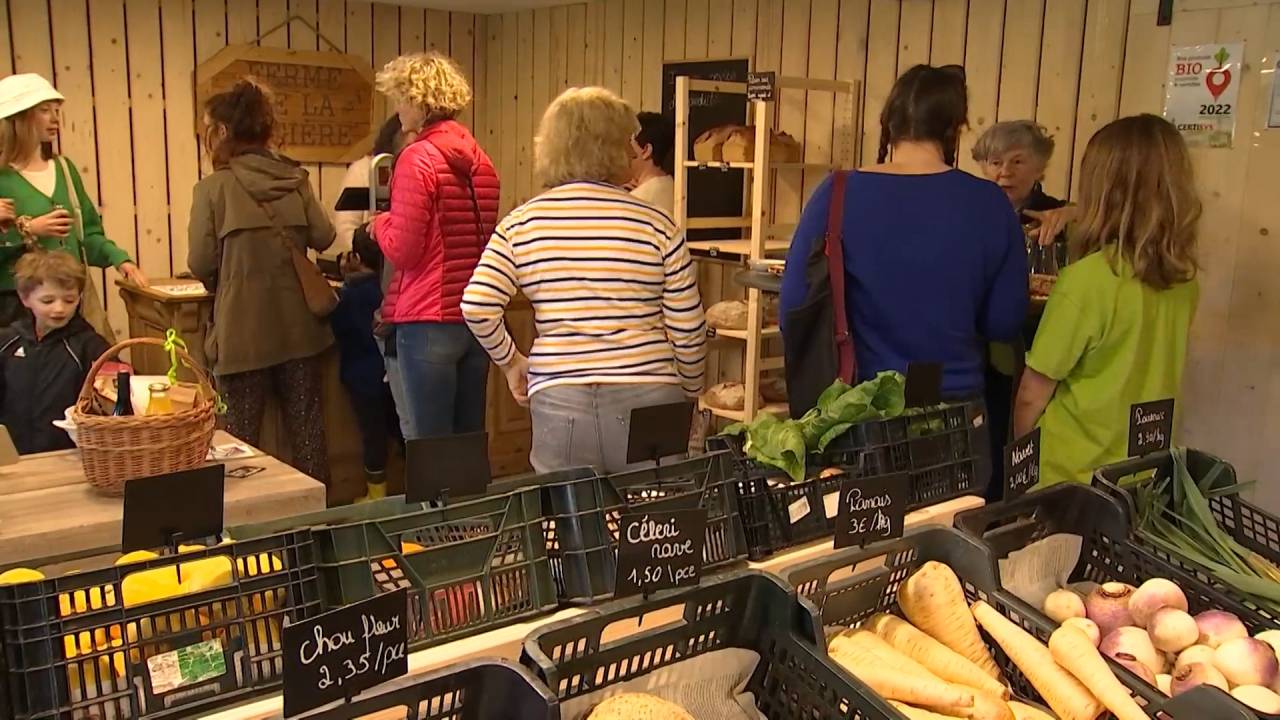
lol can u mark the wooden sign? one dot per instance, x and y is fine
(324, 100)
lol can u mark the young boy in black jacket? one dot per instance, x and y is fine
(360, 365)
(45, 355)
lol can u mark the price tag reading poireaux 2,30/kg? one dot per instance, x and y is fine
(872, 509)
(659, 550)
(344, 652)
(1150, 427)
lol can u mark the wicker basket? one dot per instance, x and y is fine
(115, 450)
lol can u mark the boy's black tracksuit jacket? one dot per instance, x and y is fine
(40, 379)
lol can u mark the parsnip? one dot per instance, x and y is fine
(876, 645)
(1068, 698)
(915, 713)
(894, 684)
(1023, 711)
(933, 600)
(938, 658)
(1074, 651)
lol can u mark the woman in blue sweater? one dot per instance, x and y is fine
(934, 258)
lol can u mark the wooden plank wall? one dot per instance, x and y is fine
(126, 69)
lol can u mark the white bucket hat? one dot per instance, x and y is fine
(23, 92)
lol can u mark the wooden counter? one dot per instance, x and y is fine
(49, 511)
(506, 642)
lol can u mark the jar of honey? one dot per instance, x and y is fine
(159, 403)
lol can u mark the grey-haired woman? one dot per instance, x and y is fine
(1014, 155)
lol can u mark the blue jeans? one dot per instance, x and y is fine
(443, 374)
(581, 425)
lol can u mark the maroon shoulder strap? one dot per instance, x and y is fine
(835, 268)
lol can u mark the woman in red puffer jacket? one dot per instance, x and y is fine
(444, 206)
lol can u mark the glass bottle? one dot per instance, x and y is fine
(159, 403)
(124, 404)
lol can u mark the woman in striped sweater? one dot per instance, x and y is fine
(614, 292)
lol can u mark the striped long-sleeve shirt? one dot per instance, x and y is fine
(613, 289)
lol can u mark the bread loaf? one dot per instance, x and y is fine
(638, 706)
(740, 146)
(708, 146)
(726, 396)
(773, 390)
(728, 315)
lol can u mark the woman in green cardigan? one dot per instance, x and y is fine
(36, 203)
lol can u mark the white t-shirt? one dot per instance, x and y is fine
(659, 192)
(45, 180)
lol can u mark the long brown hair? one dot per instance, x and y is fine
(1138, 197)
(18, 138)
(926, 103)
(247, 113)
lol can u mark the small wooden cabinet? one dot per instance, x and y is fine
(152, 311)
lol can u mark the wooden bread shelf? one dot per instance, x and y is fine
(779, 409)
(768, 331)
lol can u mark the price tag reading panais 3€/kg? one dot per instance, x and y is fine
(1022, 465)
(1150, 427)
(344, 652)
(872, 509)
(659, 550)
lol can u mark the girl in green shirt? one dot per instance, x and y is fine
(36, 191)
(1115, 330)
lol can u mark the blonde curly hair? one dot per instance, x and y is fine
(430, 80)
(585, 134)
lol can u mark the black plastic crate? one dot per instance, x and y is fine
(467, 567)
(476, 690)
(793, 679)
(854, 584)
(944, 450)
(105, 643)
(582, 512)
(1107, 550)
(1250, 525)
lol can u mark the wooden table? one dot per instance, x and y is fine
(506, 642)
(49, 511)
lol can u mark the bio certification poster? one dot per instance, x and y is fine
(1273, 114)
(1200, 96)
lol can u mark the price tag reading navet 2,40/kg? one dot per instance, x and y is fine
(659, 550)
(872, 509)
(344, 652)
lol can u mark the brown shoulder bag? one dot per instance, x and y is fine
(316, 290)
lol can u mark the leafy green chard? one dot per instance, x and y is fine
(785, 443)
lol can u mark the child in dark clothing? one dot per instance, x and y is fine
(46, 354)
(360, 365)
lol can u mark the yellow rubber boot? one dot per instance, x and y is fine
(375, 487)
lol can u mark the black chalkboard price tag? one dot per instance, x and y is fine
(872, 509)
(164, 510)
(1150, 427)
(659, 550)
(438, 469)
(924, 384)
(760, 85)
(1021, 465)
(344, 652)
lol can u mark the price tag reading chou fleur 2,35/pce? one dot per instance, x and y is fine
(1150, 427)
(344, 652)
(872, 509)
(659, 550)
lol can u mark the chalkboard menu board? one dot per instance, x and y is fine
(712, 192)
